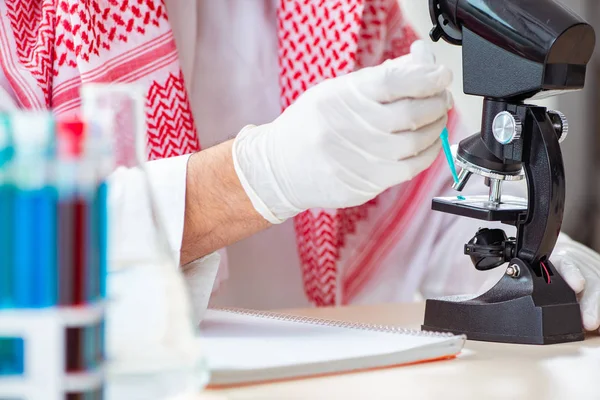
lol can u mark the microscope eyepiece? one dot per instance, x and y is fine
(443, 16)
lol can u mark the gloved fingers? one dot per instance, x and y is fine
(590, 308)
(399, 79)
(566, 245)
(383, 173)
(571, 274)
(588, 269)
(400, 116)
(403, 145)
(422, 52)
(585, 258)
(417, 81)
(412, 114)
(367, 173)
(587, 261)
(411, 167)
(563, 238)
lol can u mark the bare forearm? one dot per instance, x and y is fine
(217, 210)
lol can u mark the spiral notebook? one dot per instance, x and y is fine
(245, 347)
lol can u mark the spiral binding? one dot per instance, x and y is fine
(337, 324)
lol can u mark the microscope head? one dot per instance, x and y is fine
(516, 49)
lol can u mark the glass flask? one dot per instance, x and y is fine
(152, 344)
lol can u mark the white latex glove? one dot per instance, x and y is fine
(348, 139)
(580, 268)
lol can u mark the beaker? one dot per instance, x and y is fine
(153, 350)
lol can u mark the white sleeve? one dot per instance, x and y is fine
(132, 230)
(167, 178)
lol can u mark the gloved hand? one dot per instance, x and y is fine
(347, 139)
(580, 268)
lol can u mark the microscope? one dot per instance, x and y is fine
(514, 51)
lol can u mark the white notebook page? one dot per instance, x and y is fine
(236, 342)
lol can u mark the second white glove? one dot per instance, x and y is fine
(348, 139)
(580, 268)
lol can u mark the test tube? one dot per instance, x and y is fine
(74, 198)
(99, 152)
(34, 218)
(6, 211)
(103, 107)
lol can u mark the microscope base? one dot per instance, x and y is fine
(523, 310)
(518, 321)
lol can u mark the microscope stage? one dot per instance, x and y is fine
(509, 210)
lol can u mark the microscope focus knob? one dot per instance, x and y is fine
(507, 127)
(561, 124)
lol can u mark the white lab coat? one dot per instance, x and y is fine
(228, 53)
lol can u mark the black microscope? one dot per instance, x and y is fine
(514, 51)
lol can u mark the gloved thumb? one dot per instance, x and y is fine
(571, 274)
(422, 52)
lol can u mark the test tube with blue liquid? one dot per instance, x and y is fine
(51, 312)
(6, 210)
(34, 217)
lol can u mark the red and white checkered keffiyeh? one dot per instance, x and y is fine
(49, 48)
